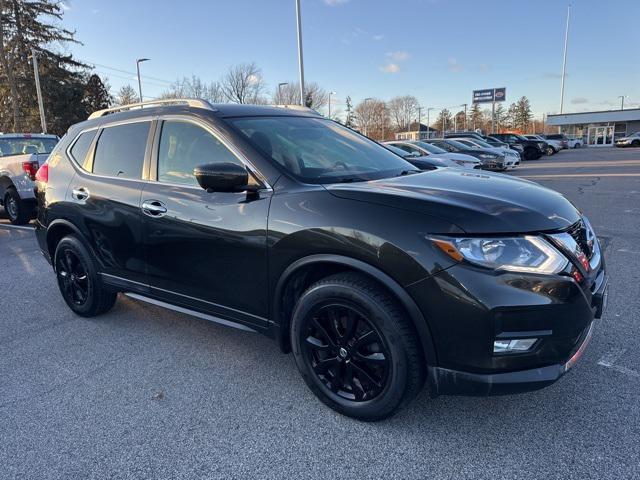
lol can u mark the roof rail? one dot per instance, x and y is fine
(297, 107)
(192, 102)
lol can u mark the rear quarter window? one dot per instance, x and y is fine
(81, 147)
(120, 150)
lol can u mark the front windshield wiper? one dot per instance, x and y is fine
(349, 180)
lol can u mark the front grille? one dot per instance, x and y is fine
(583, 236)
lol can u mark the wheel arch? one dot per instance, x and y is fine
(57, 230)
(5, 184)
(307, 270)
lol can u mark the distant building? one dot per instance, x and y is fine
(416, 133)
(597, 129)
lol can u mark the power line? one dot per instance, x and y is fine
(168, 82)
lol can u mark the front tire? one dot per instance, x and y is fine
(550, 151)
(355, 347)
(17, 210)
(78, 279)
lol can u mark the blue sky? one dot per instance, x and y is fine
(437, 50)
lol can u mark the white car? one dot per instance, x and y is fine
(428, 150)
(21, 154)
(512, 158)
(553, 146)
(632, 140)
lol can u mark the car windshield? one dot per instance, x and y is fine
(456, 144)
(23, 145)
(317, 150)
(482, 143)
(399, 151)
(430, 148)
(520, 137)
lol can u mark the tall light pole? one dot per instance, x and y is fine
(622, 97)
(300, 60)
(280, 85)
(36, 74)
(366, 126)
(330, 93)
(564, 58)
(419, 122)
(465, 115)
(138, 62)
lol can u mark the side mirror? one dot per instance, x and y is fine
(223, 177)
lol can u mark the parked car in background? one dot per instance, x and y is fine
(378, 277)
(531, 149)
(512, 157)
(493, 142)
(559, 137)
(553, 146)
(490, 160)
(427, 150)
(423, 162)
(21, 154)
(632, 140)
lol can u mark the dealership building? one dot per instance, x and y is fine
(597, 129)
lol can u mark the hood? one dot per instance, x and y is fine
(459, 157)
(478, 203)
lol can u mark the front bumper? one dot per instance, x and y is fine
(474, 308)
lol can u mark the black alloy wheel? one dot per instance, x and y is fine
(346, 352)
(78, 279)
(72, 277)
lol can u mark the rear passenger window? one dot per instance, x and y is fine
(81, 147)
(120, 150)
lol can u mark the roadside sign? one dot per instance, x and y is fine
(490, 95)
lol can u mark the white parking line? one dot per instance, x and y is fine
(609, 361)
(17, 227)
(582, 175)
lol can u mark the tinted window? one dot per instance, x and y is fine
(23, 145)
(320, 151)
(120, 150)
(81, 147)
(184, 146)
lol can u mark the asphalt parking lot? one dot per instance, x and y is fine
(142, 392)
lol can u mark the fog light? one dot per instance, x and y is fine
(510, 346)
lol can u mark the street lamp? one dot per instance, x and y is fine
(138, 62)
(428, 125)
(330, 93)
(622, 97)
(300, 61)
(564, 58)
(366, 125)
(280, 85)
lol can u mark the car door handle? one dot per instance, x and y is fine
(154, 208)
(80, 193)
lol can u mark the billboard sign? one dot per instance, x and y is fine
(490, 95)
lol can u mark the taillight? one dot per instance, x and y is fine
(30, 168)
(42, 175)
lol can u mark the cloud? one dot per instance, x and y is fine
(64, 6)
(399, 56)
(335, 3)
(579, 100)
(390, 68)
(454, 66)
(253, 79)
(377, 37)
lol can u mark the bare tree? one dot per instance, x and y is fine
(126, 96)
(373, 118)
(316, 97)
(244, 84)
(402, 111)
(194, 87)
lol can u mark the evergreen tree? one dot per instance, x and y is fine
(349, 120)
(523, 114)
(444, 121)
(475, 117)
(500, 115)
(96, 94)
(28, 26)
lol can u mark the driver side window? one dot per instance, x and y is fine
(184, 146)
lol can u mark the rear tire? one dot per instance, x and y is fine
(531, 154)
(635, 143)
(79, 281)
(355, 347)
(18, 211)
(550, 150)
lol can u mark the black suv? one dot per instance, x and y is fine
(376, 275)
(531, 149)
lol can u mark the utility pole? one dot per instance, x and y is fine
(330, 93)
(366, 125)
(465, 115)
(428, 124)
(300, 60)
(419, 122)
(138, 62)
(36, 74)
(564, 58)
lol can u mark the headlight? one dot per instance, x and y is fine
(486, 155)
(516, 254)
